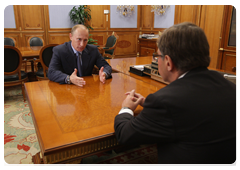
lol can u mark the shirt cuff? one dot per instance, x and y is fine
(126, 111)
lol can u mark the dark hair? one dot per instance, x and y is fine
(186, 44)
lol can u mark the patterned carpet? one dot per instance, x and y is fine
(20, 139)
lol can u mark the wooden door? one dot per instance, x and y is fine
(211, 23)
(187, 13)
(227, 50)
(99, 23)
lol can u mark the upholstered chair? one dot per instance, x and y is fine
(12, 68)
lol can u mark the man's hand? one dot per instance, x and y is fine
(102, 75)
(77, 80)
(137, 96)
(131, 101)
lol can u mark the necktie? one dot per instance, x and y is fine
(79, 65)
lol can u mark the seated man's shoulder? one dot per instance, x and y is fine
(61, 47)
(90, 46)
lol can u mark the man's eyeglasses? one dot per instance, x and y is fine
(156, 56)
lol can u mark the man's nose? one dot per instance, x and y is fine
(81, 43)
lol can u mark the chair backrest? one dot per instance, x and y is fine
(35, 41)
(110, 43)
(45, 55)
(12, 60)
(9, 41)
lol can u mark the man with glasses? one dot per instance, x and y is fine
(193, 119)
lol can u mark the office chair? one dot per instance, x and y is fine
(36, 41)
(9, 41)
(108, 50)
(12, 68)
(45, 57)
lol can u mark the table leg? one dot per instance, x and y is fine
(32, 65)
(37, 159)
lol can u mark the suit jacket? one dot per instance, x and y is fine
(64, 62)
(192, 120)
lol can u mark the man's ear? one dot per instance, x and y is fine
(70, 36)
(168, 62)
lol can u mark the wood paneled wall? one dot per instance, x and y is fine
(210, 19)
(30, 21)
(33, 20)
(227, 50)
(211, 23)
(188, 13)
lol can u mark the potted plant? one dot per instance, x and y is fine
(80, 15)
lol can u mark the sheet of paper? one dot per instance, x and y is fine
(139, 67)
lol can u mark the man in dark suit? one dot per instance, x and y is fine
(75, 59)
(193, 119)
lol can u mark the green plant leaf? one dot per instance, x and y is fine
(81, 14)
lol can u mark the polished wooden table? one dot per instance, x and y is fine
(30, 52)
(73, 122)
(122, 65)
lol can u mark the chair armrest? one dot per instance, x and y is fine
(105, 48)
(35, 61)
